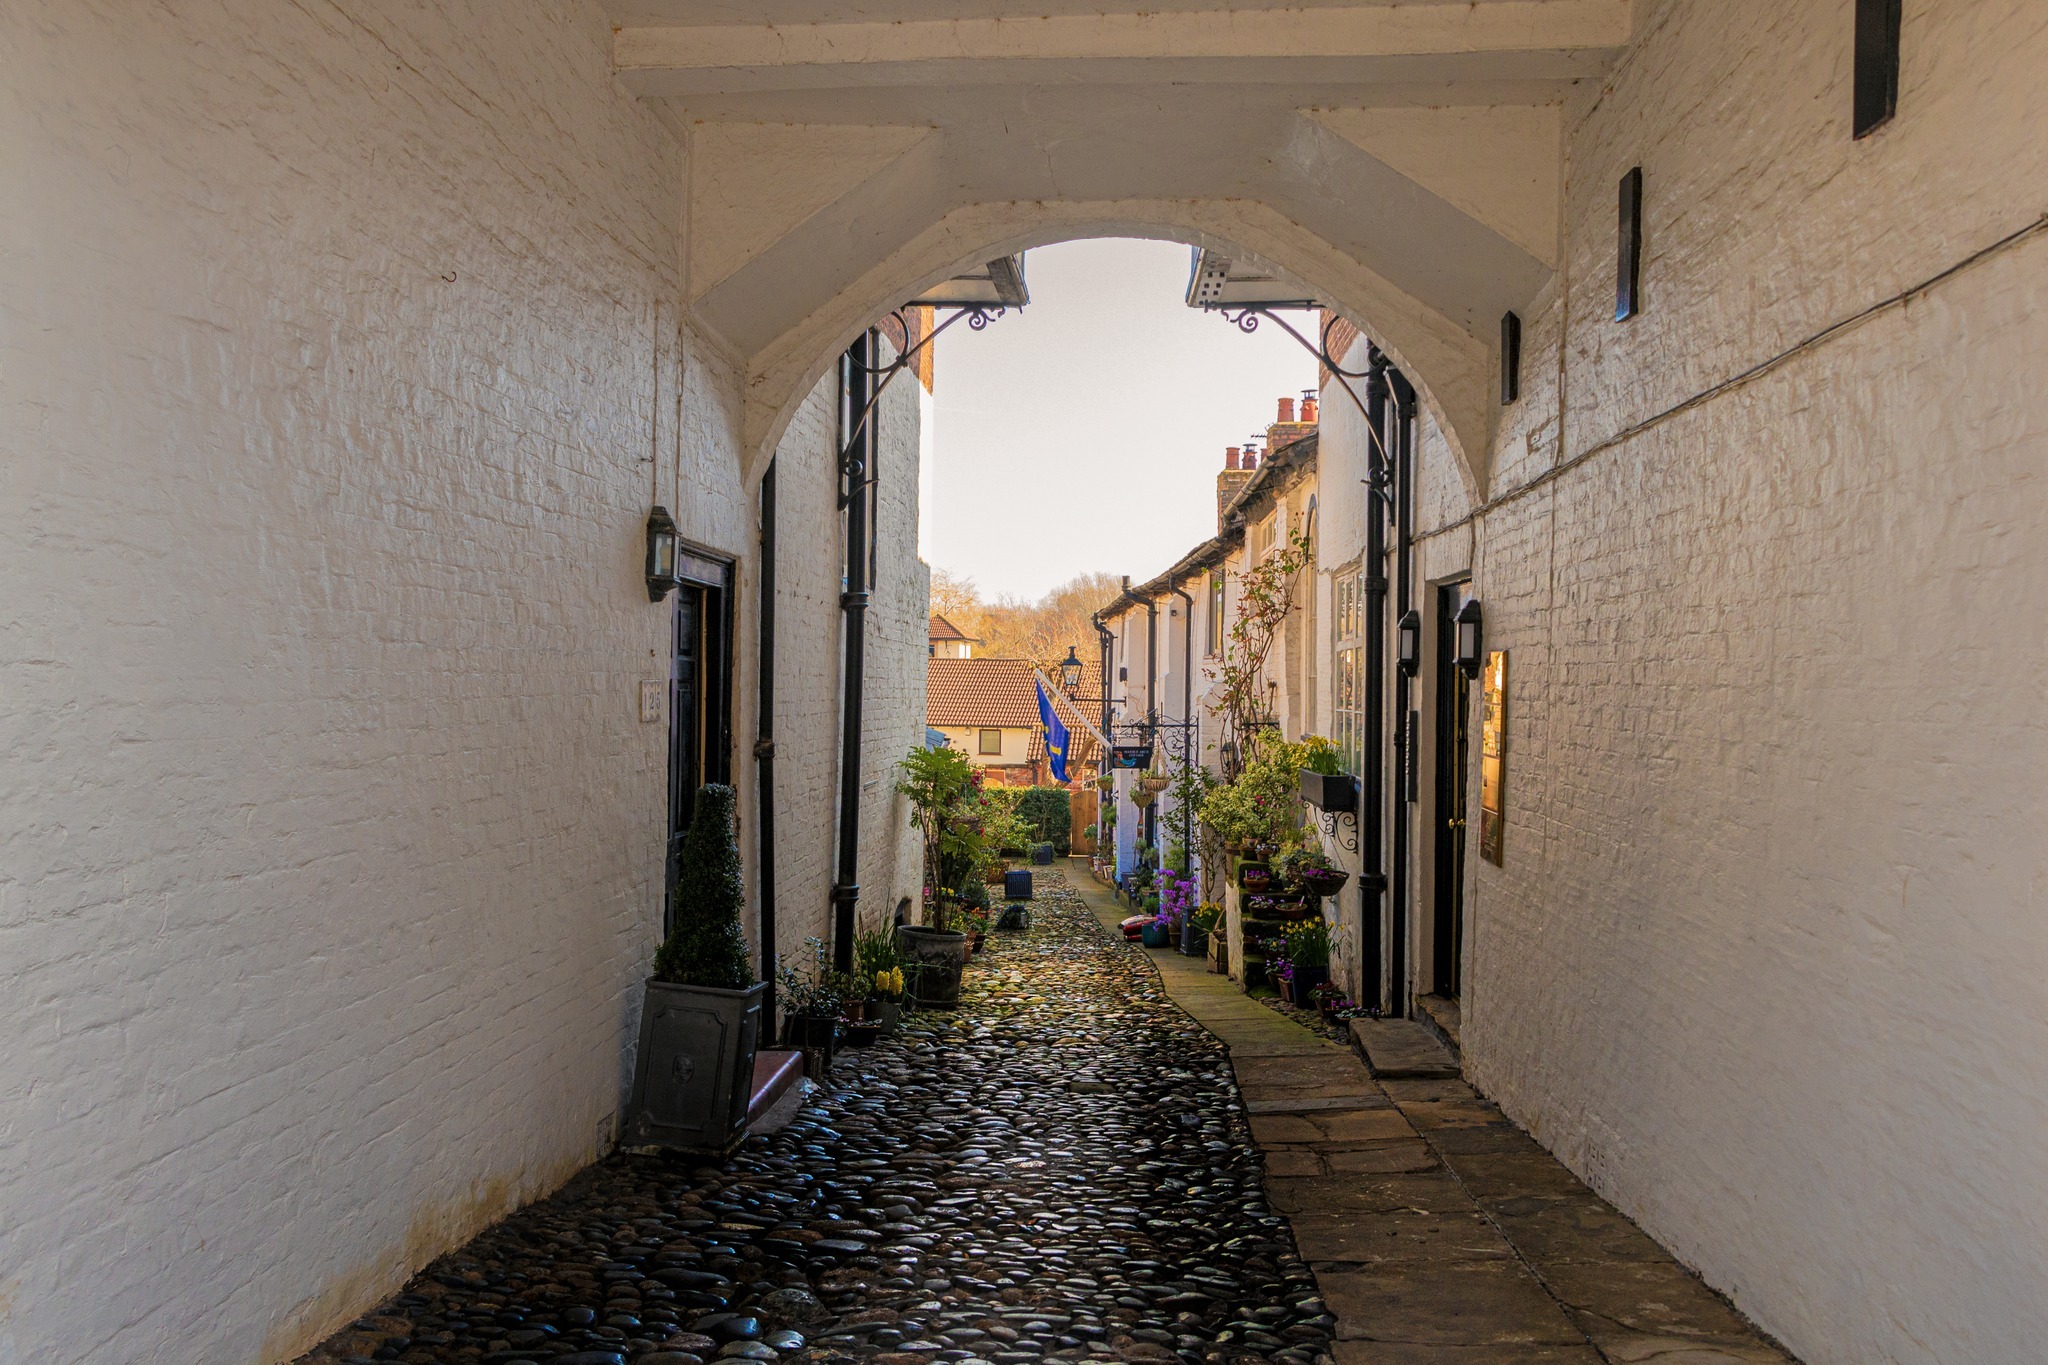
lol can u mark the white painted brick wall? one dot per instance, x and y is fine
(335, 345)
(1762, 963)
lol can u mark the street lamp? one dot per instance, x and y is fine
(661, 553)
(1070, 673)
(1467, 621)
(1408, 650)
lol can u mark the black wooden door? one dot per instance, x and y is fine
(1453, 697)
(685, 718)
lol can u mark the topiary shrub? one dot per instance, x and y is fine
(708, 947)
(1049, 811)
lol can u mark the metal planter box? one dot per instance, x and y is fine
(695, 1067)
(1330, 791)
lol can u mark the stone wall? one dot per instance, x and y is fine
(339, 363)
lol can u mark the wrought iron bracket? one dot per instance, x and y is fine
(1246, 318)
(851, 466)
(1341, 826)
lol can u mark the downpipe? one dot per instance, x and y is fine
(1372, 879)
(764, 751)
(1405, 758)
(860, 447)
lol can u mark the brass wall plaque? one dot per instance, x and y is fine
(1493, 745)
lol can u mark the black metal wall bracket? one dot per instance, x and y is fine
(1342, 828)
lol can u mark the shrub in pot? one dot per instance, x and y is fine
(700, 1021)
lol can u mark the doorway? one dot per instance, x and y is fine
(1453, 744)
(699, 696)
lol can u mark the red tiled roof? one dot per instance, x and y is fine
(992, 692)
(942, 629)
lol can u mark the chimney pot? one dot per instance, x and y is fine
(1308, 407)
(1287, 409)
(1230, 457)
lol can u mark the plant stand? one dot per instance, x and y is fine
(694, 1067)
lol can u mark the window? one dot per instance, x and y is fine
(992, 741)
(1348, 702)
(1215, 641)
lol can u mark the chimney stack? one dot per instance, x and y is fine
(1286, 410)
(1251, 459)
(1308, 405)
(1230, 457)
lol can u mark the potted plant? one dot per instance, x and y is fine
(812, 1005)
(1324, 783)
(701, 1018)
(878, 966)
(1307, 866)
(1308, 956)
(944, 790)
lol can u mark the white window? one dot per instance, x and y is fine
(1348, 708)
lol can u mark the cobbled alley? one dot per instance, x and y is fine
(1063, 1168)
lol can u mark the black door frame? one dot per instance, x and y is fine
(1453, 797)
(706, 593)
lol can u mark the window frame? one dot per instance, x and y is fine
(981, 742)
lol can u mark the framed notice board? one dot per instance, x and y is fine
(1493, 746)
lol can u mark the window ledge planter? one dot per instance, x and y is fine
(1330, 791)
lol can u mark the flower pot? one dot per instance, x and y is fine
(818, 1036)
(1219, 953)
(1153, 935)
(862, 1034)
(1329, 791)
(694, 1071)
(1306, 979)
(1327, 882)
(1155, 782)
(933, 960)
(1193, 940)
(1142, 795)
(1286, 991)
(888, 1014)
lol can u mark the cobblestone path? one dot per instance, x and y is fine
(1062, 1168)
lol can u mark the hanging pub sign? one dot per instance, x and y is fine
(1493, 741)
(1130, 756)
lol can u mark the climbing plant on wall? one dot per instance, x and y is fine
(1265, 594)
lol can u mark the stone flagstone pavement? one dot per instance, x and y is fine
(1440, 1233)
(1097, 1158)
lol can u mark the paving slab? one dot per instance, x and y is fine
(1438, 1231)
(1402, 1048)
(1494, 1302)
(1411, 1353)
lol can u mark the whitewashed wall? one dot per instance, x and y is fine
(1764, 962)
(339, 362)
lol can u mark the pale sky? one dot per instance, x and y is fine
(1086, 432)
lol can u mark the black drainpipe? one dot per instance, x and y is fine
(1372, 881)
(861, 448)
(1152, 707)
(1106, 642)
(764, 750)
(1404, 715)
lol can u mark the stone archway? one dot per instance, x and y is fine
(1452, 370)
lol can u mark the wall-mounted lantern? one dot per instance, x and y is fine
(1408, 643)
(1468, 620)
(1070, 673)
(661, 553)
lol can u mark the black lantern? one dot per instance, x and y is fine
(661, 553)
(1468, 637)
(1070, 672)
(1408, 644)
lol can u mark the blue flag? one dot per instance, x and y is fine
(1055, 734)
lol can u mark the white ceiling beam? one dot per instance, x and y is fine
(1403, 28)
